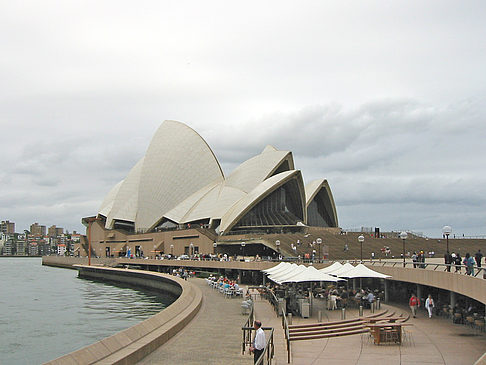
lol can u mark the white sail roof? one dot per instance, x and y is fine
(177, 164)
(246, 203)
(107, 203)
(254, 171)
(180, 179)
(126, 202)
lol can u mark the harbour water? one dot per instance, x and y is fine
(47, 312)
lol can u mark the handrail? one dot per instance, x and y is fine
(247, 333)
(427, 265)
(285, 325)
(270, 296)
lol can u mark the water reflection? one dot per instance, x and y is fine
(58, 313)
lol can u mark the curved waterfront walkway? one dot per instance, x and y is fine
(435, 341)
(212, 337)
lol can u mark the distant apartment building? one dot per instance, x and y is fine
(21, 244)
(9, 248)
(54, 231)
(61, 249)
(7, 227)
(37, 230)
(33, 249)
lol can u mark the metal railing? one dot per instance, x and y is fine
(285, 326)
(247, 328)
(272, 299)
(269, 349)
(459, 269)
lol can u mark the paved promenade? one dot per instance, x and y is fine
(212, 337)
(434, 341)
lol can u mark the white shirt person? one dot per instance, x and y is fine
(258, 342)
(429, 304)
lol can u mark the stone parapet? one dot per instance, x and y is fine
(132, 344)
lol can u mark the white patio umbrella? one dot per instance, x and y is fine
(277, 267)
(279, 278)
(343, 270)
(311, 274)
(361, 271)
(283, 269)
(327, 270)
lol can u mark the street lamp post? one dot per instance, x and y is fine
(403, 236)
(215, 245)
(319, 241)
(361, 240)
(447, 230)
(171, 251)
(191, 249)
(243, 244)
(277, 243)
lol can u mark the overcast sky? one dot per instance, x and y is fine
(385, 99)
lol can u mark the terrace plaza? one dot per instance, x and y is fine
(177, 213)
(215, 333)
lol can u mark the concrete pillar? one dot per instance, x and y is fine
(387, 291)
(354, 284)
(453, 299)
(264, 279)
(419, 292)
(239, 277)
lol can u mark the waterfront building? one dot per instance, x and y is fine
(33, 249)
(179, 186)
(61, 249)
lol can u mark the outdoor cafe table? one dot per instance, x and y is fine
(378, 331)
(384, 319)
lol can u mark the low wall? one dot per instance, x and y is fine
(469, 286)
(134, 343)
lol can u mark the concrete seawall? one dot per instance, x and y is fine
(134, 343)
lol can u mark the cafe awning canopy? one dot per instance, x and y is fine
(327, 270)
(287, 274)
(311, 274)
(276, 268)
(342, 270)
(361, 271)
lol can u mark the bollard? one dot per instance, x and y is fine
(319, 316)
(378, 303)
(361, 311)
(372, 307)
(289, 319)
(343, 313)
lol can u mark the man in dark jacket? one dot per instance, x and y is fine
(448, 260)
(478, 257)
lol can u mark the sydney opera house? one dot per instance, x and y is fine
(177, 200)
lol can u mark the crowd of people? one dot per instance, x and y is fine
(224, 283)
(454, 259)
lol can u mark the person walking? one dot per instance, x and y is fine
(469, 263)
(458, 262)
(448, 260)
(429, 305)
(258, 341)
(414, 303)
(478, 257)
